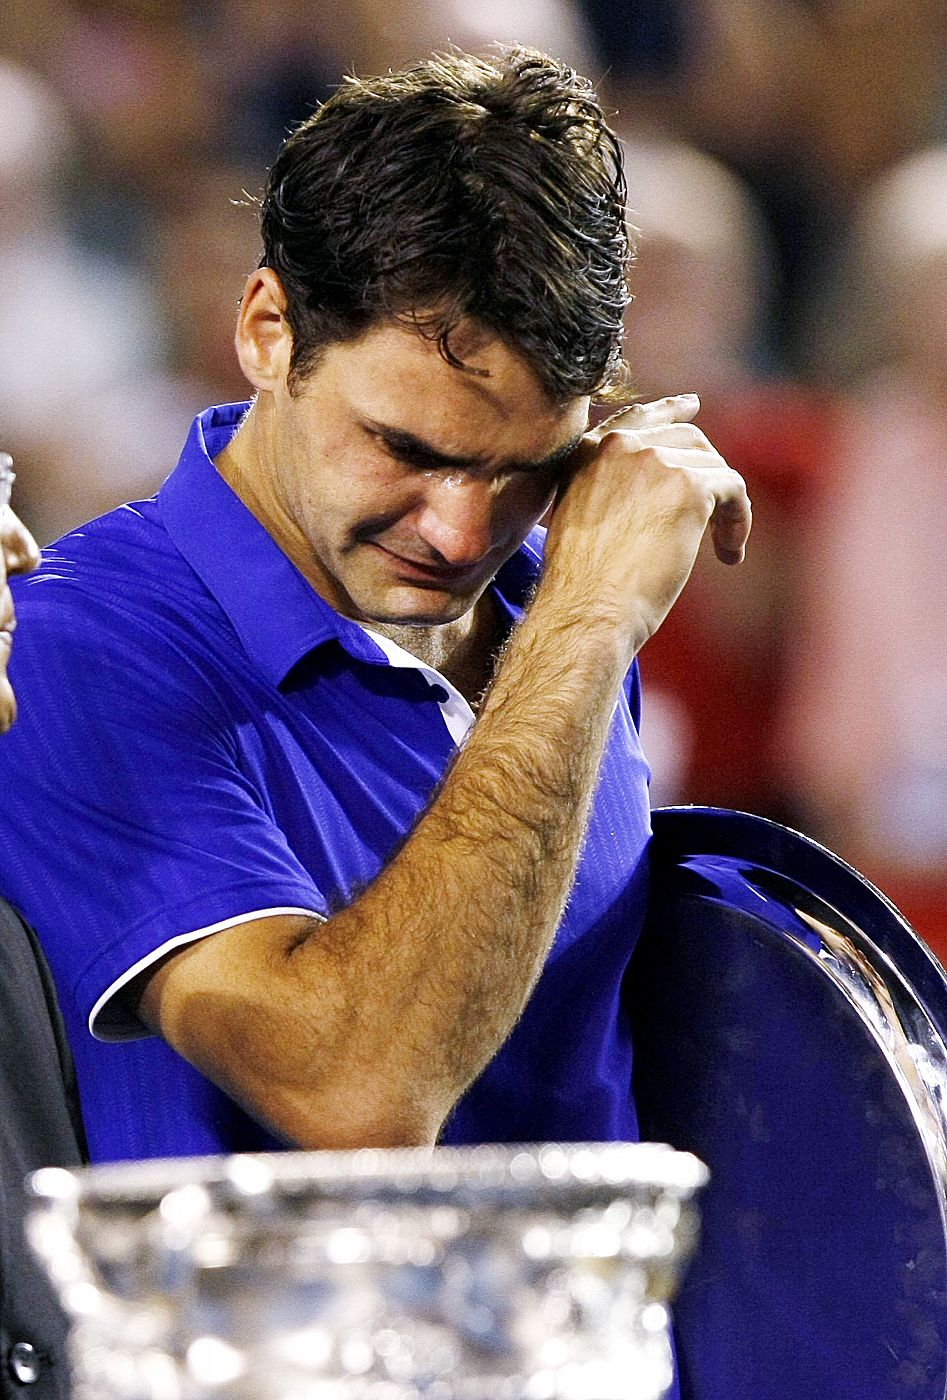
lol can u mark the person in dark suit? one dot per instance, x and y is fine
(41, 1125)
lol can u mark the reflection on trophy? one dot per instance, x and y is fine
(466, 1274)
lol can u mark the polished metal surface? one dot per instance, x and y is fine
(489, 1273)
(790, 1029)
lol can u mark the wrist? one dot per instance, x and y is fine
(597, 623)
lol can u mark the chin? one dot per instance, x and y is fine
(416, 607)
(423, 612)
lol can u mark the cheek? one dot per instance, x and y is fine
(380, 493)
(349, 512)
(339, 480)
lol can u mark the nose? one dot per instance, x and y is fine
(456, 519)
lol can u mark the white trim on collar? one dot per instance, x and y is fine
(458, 717)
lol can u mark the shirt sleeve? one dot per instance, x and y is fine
(127, 827)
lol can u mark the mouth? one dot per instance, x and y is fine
(435, 575)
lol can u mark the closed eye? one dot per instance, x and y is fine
(414, 452)
(413, 455)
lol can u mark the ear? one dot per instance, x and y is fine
(263, 339)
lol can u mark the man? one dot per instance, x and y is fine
(41, 1125)
(344, 910)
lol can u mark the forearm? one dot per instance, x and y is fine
(421, 979)
(478, 890)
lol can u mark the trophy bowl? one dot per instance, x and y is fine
(489, 1273)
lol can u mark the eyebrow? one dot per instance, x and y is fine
(407, 445)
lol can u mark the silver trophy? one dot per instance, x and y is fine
(487, 1273)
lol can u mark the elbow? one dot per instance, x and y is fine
(347, 1119)
(302, 1072)
(325, 1096)
(323, 1102)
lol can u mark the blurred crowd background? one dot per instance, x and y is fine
(787, 165)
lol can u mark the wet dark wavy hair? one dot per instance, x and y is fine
(459, 187)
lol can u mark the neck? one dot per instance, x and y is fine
(463, 651)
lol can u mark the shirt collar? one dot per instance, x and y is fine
(278, 616)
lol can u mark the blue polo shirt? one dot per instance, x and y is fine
(203, 740)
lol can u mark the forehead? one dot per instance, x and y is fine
(490, 404)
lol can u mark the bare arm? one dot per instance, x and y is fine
(368, 1028)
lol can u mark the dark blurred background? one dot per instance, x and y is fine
(787, 168)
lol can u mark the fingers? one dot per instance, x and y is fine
(665, 425)
(732, 517)
(661, 435)
(677, 408)
(725, 492)
(730, 528)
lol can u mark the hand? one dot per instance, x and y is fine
(629, 520)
